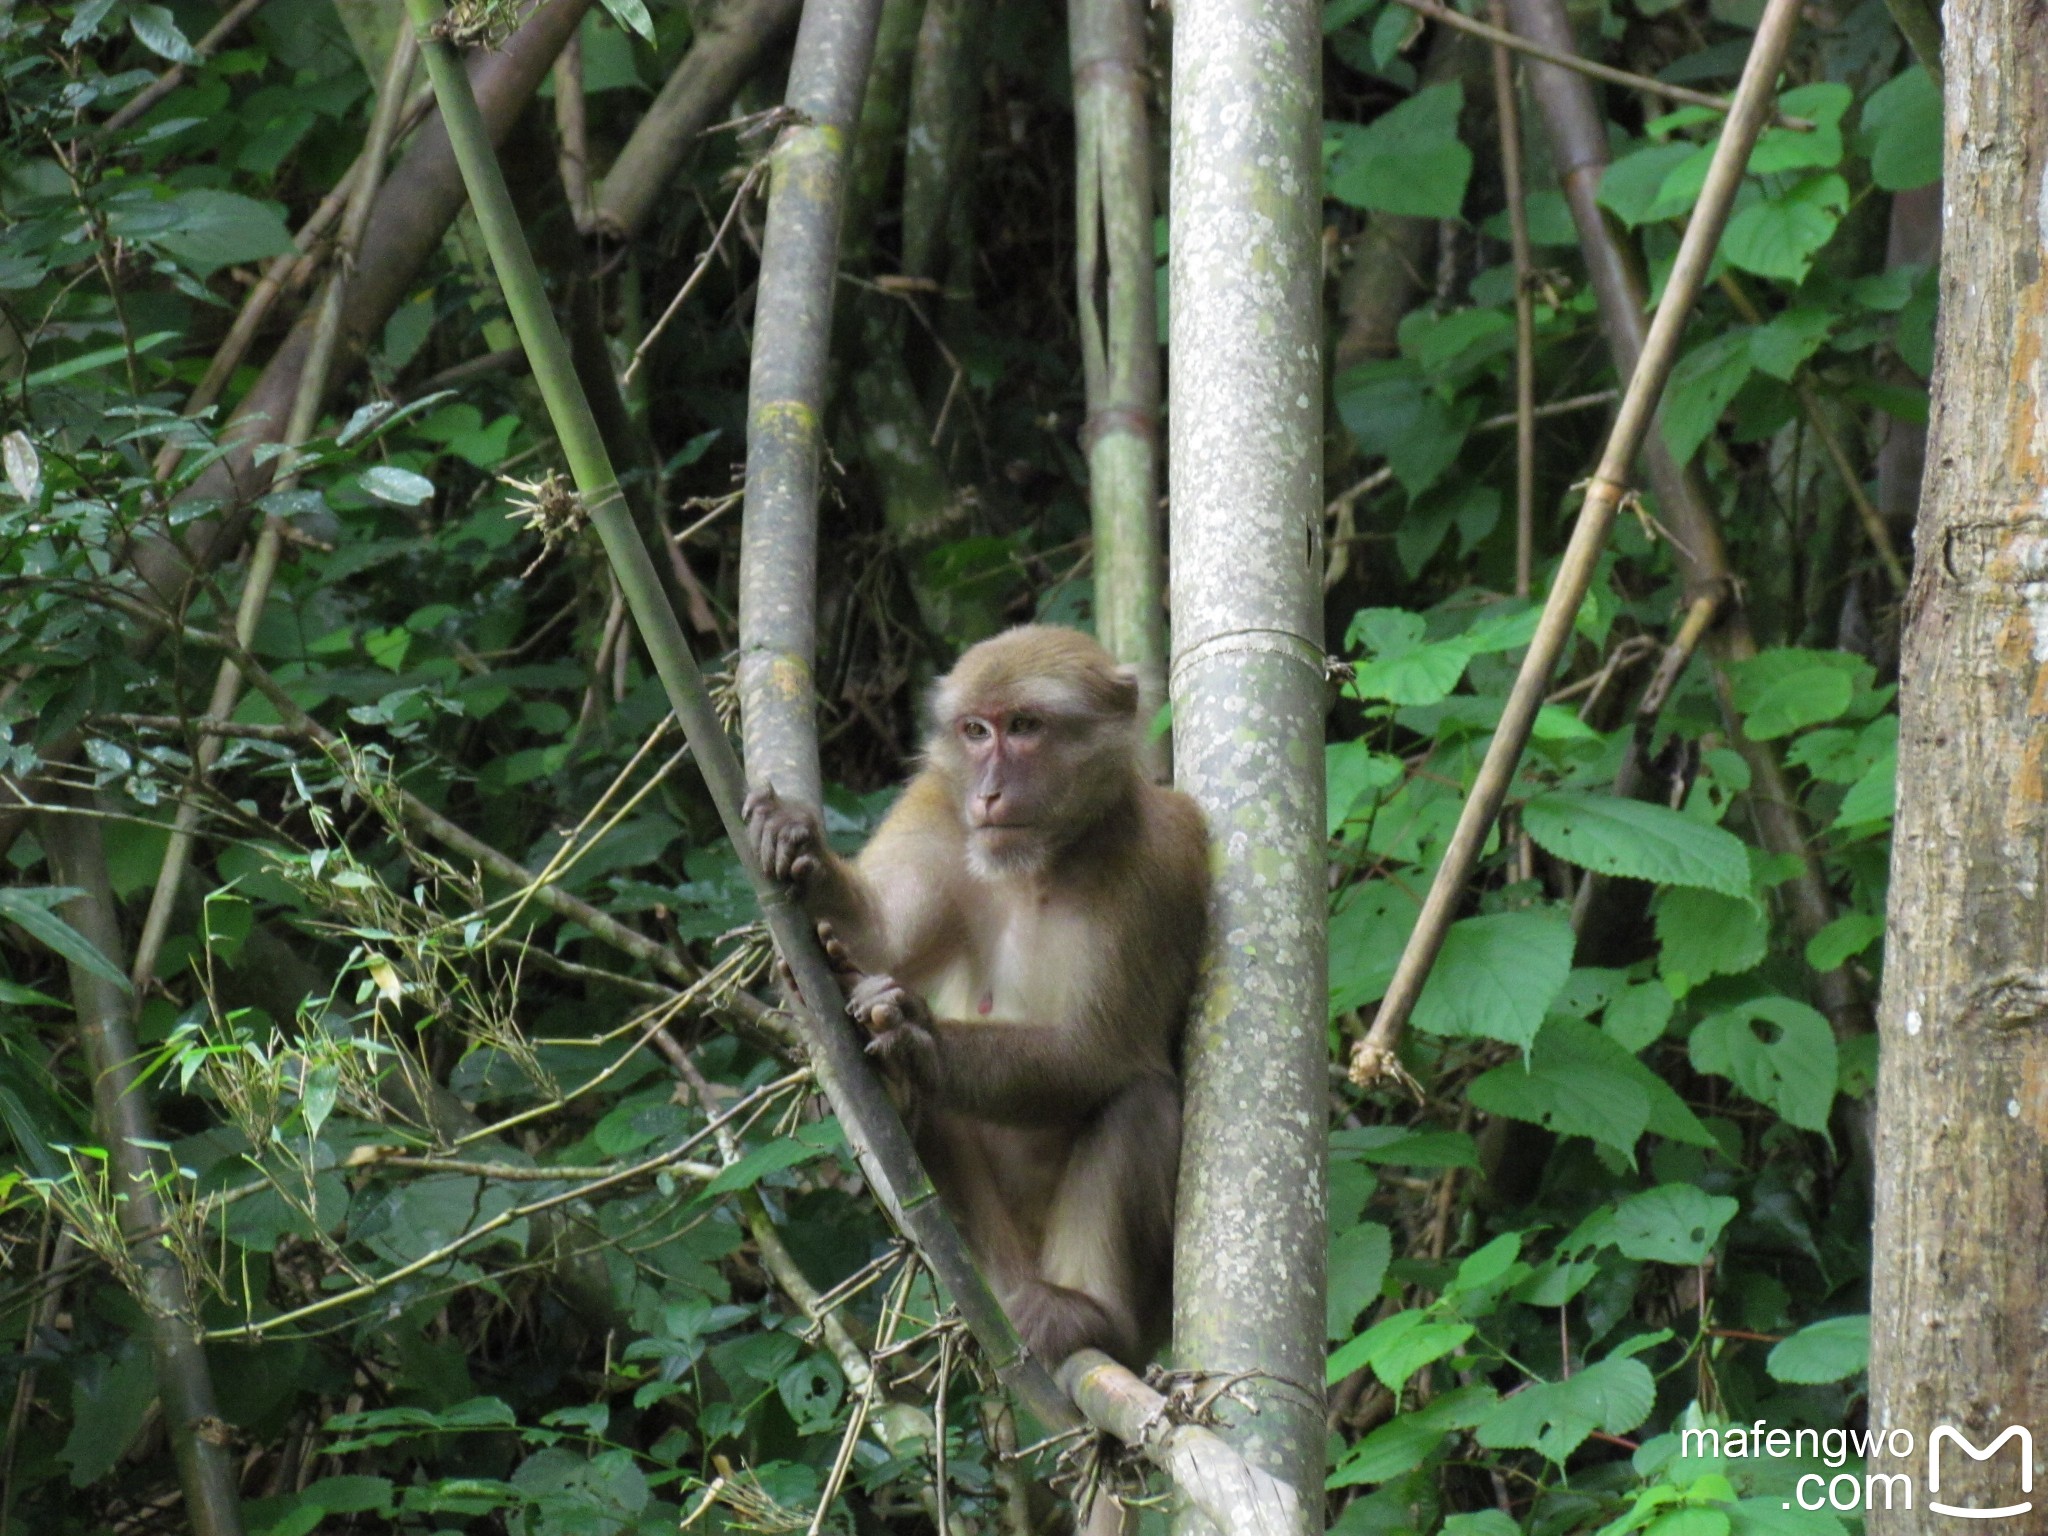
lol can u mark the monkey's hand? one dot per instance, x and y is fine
(899, 1027)
(789, 839)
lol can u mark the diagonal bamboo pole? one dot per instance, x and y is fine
(873, 1127)
(1373, 1059)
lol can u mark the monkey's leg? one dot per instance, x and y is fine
(1105, 1268)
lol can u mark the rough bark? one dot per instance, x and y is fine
(1961, 1258)
(1248, 692)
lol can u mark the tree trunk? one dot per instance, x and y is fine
(1961, 1261)
(1248, 690)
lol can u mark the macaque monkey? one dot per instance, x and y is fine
(1021, 934)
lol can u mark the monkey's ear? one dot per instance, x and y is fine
(1124, 691)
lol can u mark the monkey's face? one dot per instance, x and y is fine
(1034, 731)
(1031, 780)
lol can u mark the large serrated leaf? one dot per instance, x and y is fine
(1637, 840)
(1822, 1352)
(1496, 975)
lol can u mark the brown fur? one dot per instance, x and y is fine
(1025, 928)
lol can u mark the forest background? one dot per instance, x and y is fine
(496, 1198)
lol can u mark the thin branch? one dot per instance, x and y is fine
(174, 77)
(1507, 109)
(1586, 66)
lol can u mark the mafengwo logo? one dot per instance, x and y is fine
(1945, 1434)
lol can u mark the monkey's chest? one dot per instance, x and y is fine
(1032, 966)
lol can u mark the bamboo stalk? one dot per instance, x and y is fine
(786, 395)
(873, 1128)
(199, 1440)
(1508, 110)
(1120, 336)
(723, 53)
(1373, 1059)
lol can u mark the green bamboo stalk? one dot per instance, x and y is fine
(1249, 694)
(1119, 333)
(786, 395)
(872, 1125)
(206, 1471)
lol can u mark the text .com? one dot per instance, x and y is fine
(1845, 1492)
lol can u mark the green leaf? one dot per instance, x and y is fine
(1555, 1417)
(1672, 1224)
(1574, 1053)
(1778, 1051)
(1496, 975)
(1404, 1148)
(1826, 1351)
(157, 30)
(1787, 689)
(1367, 932)
(1774, 1515)
(1400, 1444)
(350, 1494)
(208, 229)
(1572, 1098)
(1629, 186)
(1399, 1346)
(1358, 1263)
(1794, 149)
(1701, 386)
(809, 1142)
(399, 487)
(1703, 933)
(1789, 339)
(1394, 413)
(1902, 131)
(1637, 1015)
(1636, 840)
(1693, 1520)
(1779, 236)
(1355, 773)
(1872, 797)
(26, 909)
(1407, 161)
(1843, 940)
(631, 15)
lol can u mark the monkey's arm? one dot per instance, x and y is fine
(885, 907)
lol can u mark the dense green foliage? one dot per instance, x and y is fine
(472, 1253)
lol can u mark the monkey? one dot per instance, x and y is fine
(1022, 935)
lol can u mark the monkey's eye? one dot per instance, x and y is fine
(1025, 725)
(974, 730)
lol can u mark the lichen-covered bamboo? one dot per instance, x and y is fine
(1119, 329)
(873, 1128)
(786, 395)
(1248, 697)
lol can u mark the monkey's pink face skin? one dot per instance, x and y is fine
(1002, 749)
